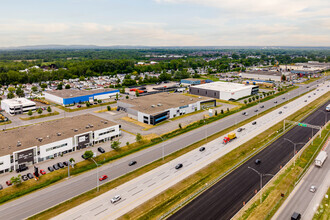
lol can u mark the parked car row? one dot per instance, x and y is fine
(57, 166)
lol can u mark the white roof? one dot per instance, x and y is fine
(224, 86)
(18, 101)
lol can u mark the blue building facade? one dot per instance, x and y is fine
(68, 101)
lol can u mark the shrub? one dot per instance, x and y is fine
(108, 108)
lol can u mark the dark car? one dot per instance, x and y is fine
(55, 166)
(51, 169)
(280, 112)
(1, 187)
(244, 113)
(254, 123)
(258, 161)
(305, 100)
(132, 163)
(21, 169)
(256, 110)
(25, 178)
(275, 102)
(309, 96)
(201, 149)
(307, 87)
(83, 157)
(296, 216)
(240, 129)
(60, 165)
(178, 166)
(262, 106)
(66, 163)
(101, 150)
(30, 175)
(283, 98)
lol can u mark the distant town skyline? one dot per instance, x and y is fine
(165, 22)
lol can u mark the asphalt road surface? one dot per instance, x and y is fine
(225, 199)
(53, 195)
(302, 200)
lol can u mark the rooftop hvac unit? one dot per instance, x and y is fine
(199, 97)
(58, 134)
(159, 104)
(87, 126)
(91, 125)
(39, 139)
(105, 122)
(18, 143)
(153, 106)
(75, 130)
(191, 99)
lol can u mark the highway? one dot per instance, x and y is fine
(225, 198)
(50, 196)
(301, 199)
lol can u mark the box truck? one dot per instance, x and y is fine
(319, 160)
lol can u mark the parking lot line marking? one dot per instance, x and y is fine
(137, 192)
(147, 181)
(101, 212)
(77, 217)
(95, 207)
(165, 177)
(152, 184)
(132, 189)
(161, 174)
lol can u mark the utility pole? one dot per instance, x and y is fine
(261, 175)
(294, 149)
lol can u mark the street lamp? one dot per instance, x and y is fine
(325, 116)
(294, 149)
(97, 173)
(261, 175)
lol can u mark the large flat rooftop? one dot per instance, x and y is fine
(18, 101)
(151, 104)
(223, 86)
(268, 73)
(28, 136)
(70, 93)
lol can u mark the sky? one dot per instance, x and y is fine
(165, 22)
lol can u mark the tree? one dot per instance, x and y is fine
(16, 180)
(39, 111)
(81, 78)
(11, 89)
(138, 137)
(108, 108)
(216, 113)
(30, 112)
(250, 100)
(227, 109)
(122, 90)
(59, 86)
(127, 97)
(257, 97)
(43, 85)
(67, 86)
(137, 93)
(117, 96)
(88, 154)
(180, 126)
(222, 111)
(88, 104)
(283, 77)
(72, 160)
(253, 98)
(127, 143)
(34, 89)
(245, 102)
(20, 92)
(49, 109)
(10, 95)
(115, 145)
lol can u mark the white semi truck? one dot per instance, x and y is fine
(319, 160)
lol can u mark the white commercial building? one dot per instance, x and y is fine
(17, 106)
(29, 145)
(224, 90)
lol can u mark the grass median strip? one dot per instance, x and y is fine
(323, 212)
(106, 187)
(40, 116)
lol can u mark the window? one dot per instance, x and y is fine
(107, 132)
(56, 147)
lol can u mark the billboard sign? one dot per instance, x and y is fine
(25, 156)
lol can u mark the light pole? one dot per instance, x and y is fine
(294, 148)
(97, 173)
(261, 175)
(325, 116)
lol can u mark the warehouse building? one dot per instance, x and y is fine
(72, 96)
(224, 90)
(29, 145)
(263, 75)
(17, 106)
(153, 109)
(192, 81)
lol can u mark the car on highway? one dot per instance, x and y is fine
(30, 175)
(317, 90)
(280, 112)
(295, 216)
(201, 149)
(240, 129)
(305, 100)
(275, 102)
(178, 166)
(101, 150)
(115, 199)
(51, 169)
(104, 177)
(256, 110)
(43, 172)
(285, 107)
(244, 113)
(309, 96)
(314, 93)
(283, 98)
(25, 178)
(1, 187)
(307, 87)
(55, 166)
(312, 189)
(258, 161)
(60, 165)
(132, 163)
(254, 123)
(262, 106)
(8, 183)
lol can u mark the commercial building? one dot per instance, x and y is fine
(192, 81)
(29, 145)
(224, 90)
(17, 106)
(153, 109)
(263, 75)
(73, 96)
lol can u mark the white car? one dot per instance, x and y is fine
(312, 189)
(115, 199)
